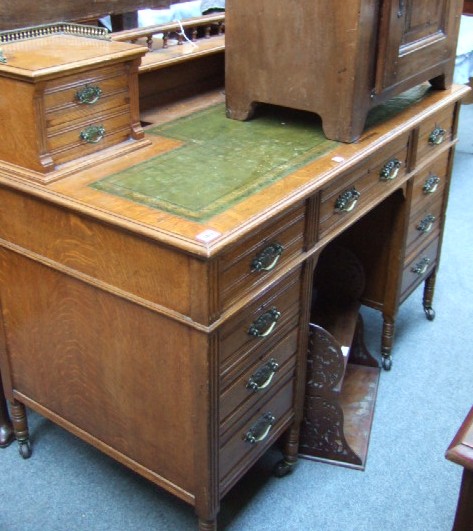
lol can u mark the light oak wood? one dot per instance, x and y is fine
(130, 315)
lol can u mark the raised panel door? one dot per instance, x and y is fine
(417, 39)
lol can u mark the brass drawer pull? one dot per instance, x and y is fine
(263, 376)
(264, 325)
(431, 184)
(93, 134)
(88, 95)
(346, 202)
(437, 136)
(267, 259)
(390, 170)
(260, 429)
(421, 267)
(425, 225)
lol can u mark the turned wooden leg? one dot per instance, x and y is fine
(207, 525)
(20, 427)
(387, 340)
(290, 453)
(6, 429)
(429, 288)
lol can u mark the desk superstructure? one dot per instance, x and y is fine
(176, 341)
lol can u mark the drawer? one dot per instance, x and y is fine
(241, 390)
(424, 222)
(67, 143)
(259, 326)
(84, 95)
(341, 201)
(418, 268)
(429, 184)
(434, 132)
(259, 257)
(255, 432)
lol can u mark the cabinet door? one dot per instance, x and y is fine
(417, 39)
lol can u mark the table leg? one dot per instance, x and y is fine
(464, 515)
(20, 427)
(6, 429)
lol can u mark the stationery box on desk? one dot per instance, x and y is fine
(68, 92)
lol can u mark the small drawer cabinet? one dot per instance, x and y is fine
(68, 93)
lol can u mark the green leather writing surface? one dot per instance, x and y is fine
(220, 161)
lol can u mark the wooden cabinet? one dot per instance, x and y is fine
(69, 96)
(337, 59)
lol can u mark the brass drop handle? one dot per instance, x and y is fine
(346, 201)
(421, 267)
(88, 95)
(437, 136)
(431, 184)
(263, 376)
(260, 429)
(267, 259)
(92, 134)
(390, 170)
(264, 325)
(425, 225)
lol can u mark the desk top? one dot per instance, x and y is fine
(317, 162)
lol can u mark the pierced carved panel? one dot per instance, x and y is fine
(325, 362)
(322, 432)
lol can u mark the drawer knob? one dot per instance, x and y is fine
(421, 267)
(390, 170)
(346, 202)
(92, 134)
(267, 259)
(263, 376)
(437, 136)
(260, 429)
(264, 325)
(88, 95)
(431, 184)
(425, 225)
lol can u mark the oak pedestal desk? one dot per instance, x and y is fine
(157, 304)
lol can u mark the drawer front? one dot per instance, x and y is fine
(259, 326)
(262, 255)
(82, 96)
(250, 382)
(424, 222)
(418, 268)
(429, 184)
(434, 132)
(255, 432)
(83, 138)
(341, 202)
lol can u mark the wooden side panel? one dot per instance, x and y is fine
(120, 372)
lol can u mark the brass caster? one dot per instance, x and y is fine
(429, 313)
(387, 363)
(283, 468)
(24, 448)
